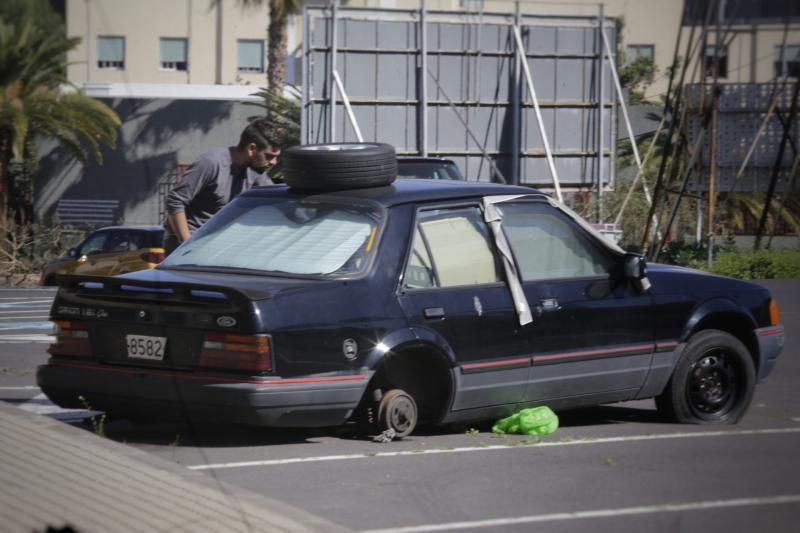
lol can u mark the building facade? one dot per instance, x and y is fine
(171, 43)
(125, 45)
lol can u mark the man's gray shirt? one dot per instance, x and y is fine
(209, 184)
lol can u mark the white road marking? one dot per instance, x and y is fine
(23, 311)
(31, 300)
(29, 324)
(631, 438)
(599, 513)
(27, 387)
(41, 405)
(36, 338)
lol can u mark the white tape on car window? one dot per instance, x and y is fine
(494, 219)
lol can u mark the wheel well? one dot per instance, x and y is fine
(736, 325)
(422, 373)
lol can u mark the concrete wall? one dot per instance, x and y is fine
(155, 137)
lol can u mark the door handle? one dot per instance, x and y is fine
(433, 312)
(549, 304)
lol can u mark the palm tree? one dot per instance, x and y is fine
(33, 47)
(279, 11)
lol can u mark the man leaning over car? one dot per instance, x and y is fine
(217, 176)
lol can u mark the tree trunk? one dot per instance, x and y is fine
(276, 51)
(5, 159)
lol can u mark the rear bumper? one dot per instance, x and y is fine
(309, 401)
(770, 344)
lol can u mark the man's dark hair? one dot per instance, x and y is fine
(263, 134)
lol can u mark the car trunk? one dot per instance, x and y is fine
(172, 320)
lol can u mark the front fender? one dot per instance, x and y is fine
(406, 338)
(716, 308)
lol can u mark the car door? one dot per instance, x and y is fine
(453, 288)
(90, 252)
(592, 331)
(106, 262)
(124, 255)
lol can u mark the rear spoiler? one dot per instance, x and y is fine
(161, 290)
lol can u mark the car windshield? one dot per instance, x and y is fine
(303, 237)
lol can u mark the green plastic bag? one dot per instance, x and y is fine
(534, 421)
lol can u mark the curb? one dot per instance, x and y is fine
(48, 466)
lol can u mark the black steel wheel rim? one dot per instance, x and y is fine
(714, 384)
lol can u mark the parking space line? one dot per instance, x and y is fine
(25, 339)
(631, 438)
(26, 324)
(600, 513)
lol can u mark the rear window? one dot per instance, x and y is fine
(149, 239)
(440, 170)
(301, 237)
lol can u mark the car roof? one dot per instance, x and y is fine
(140, 227)
(420, 159)
(403, 191)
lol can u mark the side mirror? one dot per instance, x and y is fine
(635, 267)
(72, 252)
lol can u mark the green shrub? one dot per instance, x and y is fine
(761, 264)
(692, 254)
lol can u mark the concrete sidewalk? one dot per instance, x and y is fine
(55, 475)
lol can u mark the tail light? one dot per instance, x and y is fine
(153, 257)
(237, 352)
(774, 314)
(72, 338)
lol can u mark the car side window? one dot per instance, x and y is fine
(451, 248)
(135, 240)
(94, 244)
(119, 242)
(547, 245)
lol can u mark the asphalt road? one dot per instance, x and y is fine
(609, 468)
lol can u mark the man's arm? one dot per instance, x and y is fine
(183, 194)
(177, 221)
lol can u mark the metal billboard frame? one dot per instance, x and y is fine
(550, 140)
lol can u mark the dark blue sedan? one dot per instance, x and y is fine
(427, 301)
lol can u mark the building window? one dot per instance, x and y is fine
(635, 51)
(173, 54)
(111, 52)
(250, 55)
(787, 64)
(722, 58)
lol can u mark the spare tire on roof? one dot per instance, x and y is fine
(339, 166)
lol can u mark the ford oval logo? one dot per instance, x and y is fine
(226, 321)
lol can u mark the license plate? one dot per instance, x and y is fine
(145, 347)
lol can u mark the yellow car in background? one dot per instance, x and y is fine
(110, 251)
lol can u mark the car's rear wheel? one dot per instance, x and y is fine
(339, 166)
(397, 411)
(712, 383)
